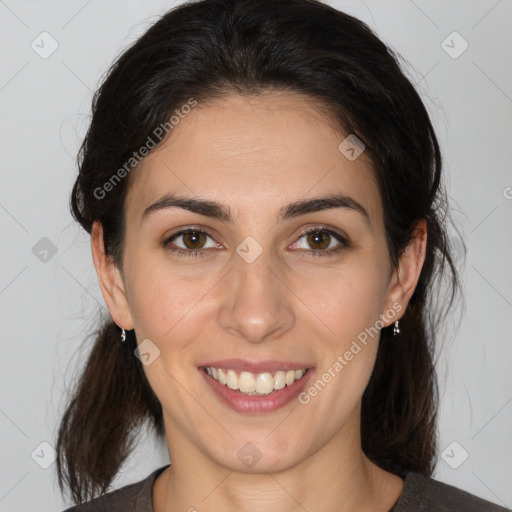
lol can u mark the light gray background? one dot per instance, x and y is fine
(47, 307)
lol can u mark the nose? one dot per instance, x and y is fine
(258, 304)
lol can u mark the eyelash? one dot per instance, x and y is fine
(312, 254)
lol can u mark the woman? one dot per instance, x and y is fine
(262, 186)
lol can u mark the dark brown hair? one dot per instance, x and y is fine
(202, 50)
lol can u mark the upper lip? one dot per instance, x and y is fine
(243, 365)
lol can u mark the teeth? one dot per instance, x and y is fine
(232, 380)
(255, 384)
(246, 383)
(264, 383)
(280, 380)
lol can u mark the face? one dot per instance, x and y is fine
(260, 284)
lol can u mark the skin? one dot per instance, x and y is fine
(256, 155)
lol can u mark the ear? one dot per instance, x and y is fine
(110, 280)
(404, 280)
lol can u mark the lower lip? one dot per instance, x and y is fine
(254, 404)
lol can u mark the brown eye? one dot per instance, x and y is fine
(319, 240)
(194, 239)
(190, 242)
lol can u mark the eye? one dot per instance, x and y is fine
(189, 242)
(320, 241)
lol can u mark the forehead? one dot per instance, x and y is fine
(254, 154)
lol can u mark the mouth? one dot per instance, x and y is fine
(255, 384)
(255, 387)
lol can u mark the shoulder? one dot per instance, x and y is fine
(422, 493)
(132, 497)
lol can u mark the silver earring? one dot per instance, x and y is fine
(123, 335)
(396, 329)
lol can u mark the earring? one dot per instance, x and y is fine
(396, 329)
(123, 335)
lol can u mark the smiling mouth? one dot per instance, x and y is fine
(248, 383)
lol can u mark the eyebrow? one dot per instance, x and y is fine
(218, 211)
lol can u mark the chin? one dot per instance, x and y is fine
(261, 455)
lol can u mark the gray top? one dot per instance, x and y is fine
(420, 494)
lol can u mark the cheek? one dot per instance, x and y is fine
(347, 301)
(167, 306)
(349, 306)
(152, 297)
(350, 314)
